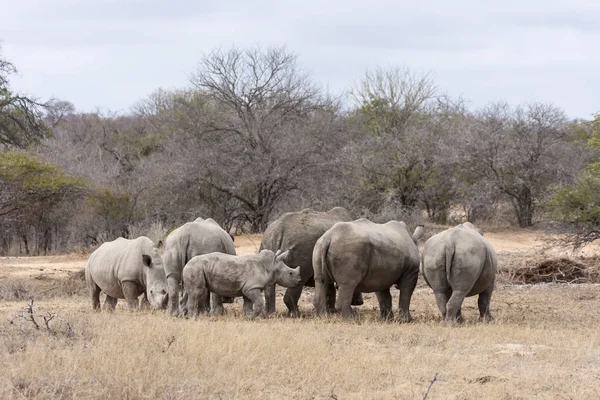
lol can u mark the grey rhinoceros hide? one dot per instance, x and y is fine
(298, 232)
(125, 269)
(364, 256)
(202, 236)
(227, 275)
(457, 263)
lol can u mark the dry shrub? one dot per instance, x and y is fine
(74, 284)
(43, 287)
(562, 270)
(12, 289)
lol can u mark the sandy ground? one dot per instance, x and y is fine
(60, 266)
(505, 242)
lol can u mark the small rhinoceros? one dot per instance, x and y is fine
(228, 275)
(457, 263)
(201, 236)
(366, 257)
(125, 269)
(298, 232)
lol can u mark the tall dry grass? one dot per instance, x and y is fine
(543, 344)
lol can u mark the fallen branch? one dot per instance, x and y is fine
(430, 385)
(27, 314)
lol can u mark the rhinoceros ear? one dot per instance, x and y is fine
(418, 234)
(282, 256)
(147, 260)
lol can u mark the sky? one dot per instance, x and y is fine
(110, 54)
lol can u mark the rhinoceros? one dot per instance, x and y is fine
(298, 232)
(227, 275)
(125, 269)
(202, 236)
(457, 263)
(367, 257)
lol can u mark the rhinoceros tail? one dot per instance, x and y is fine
(449, 250)
(320, 257)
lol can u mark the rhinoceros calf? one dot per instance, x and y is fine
(457, 263)
(228, 275)
(125, 269)
(367, 257)
(202, 236)
(298, 232)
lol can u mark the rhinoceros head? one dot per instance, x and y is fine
(156, 280)
(284, 275)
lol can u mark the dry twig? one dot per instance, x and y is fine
(430, 385)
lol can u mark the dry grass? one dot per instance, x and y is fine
(543, 344)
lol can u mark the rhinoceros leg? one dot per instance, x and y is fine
(483, 302)
(407, 284)
(145, 303)
(331, 298)
(109, 303)
(247, 307)
(441, 298)
(270, 299)
(258, 301)
(344, 301)
(291, 298)
(357, 299)
(95, 294)
(321, 298)
(206, 300)
(173, 284)
(454, 305)
(131, 291)
(385, 304)
(217, 304)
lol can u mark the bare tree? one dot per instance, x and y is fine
(522, 151)
(404, 125)
(21, 118)
(256, 142)
(389, 98)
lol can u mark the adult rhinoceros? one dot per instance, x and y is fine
(202, 236)
(124, 269)
(457, 263)
(367, 257)
(298, 232)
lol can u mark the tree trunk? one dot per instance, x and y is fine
(524, 208)
(25, 243)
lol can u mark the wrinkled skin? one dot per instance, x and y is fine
(458, 263)
(228, 275)
(298, 232)
(202, 236)
(125, 269)
(367, 257)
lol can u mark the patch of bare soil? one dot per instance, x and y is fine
(48, 266)
(247, 244)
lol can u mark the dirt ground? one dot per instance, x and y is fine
(504, 242)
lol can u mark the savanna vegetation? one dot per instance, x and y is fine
(542, 344)
(252, 135)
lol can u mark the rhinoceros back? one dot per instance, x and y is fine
(202, 236)
(118, 261)
(299, 231)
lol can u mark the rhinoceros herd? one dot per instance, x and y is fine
(326, 250)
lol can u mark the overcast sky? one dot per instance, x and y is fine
(110, 54)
